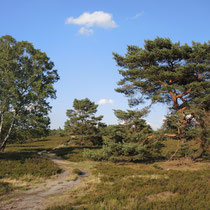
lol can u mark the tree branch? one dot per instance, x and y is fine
(182, 95)
(171, 93)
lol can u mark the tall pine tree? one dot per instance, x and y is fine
(169, 73)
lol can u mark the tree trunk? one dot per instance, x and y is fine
(3, 145)
(1, 124)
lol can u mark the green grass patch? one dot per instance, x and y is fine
(112, 186)
(122, 187)
(21, 166)
(37, 144)
(5, 188)
(16, 165)
(73, 153)
(77, 171)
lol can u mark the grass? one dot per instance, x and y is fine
(77, 171)
(72, 153)
(21, 167)
(36, 145)
(5, 187)
(126, 187)
(177, 184)
(16, 165)
(22, 170)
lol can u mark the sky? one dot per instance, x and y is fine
(79, 36)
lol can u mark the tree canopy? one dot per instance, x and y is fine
(83, 122)
(27, 76)
(165, 72)
(169, 73)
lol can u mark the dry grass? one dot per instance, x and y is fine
(163, 196)
(178, 184)
(148, 176)
(113, 186)
(24, 182)
(73, 177)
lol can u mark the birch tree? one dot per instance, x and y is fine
(27, 76)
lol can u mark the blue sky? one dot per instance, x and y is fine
(82, 49)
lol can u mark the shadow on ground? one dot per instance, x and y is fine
(73, 153)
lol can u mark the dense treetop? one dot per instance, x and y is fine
(165, 72)
(27, 76)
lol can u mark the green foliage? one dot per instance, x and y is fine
(164, 69)
(60, 132)
(128, 141)
(196, 130)
(27, 78)
(125, 151)
(170, 73)
(73, 153)
(83, 124)
(77, 171)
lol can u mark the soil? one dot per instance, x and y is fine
(36, 198)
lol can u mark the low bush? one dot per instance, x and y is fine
(129, 151)
(77, 171)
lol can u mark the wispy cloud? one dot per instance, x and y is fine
(136, 16)
(88, 20)
(105, 101)
(86, 31)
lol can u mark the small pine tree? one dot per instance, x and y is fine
(82, 122)
(128, 141)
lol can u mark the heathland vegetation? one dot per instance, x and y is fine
(123, 166)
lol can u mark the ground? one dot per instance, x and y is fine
(177, 184)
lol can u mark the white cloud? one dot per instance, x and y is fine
(105, 101)
(86, 31)
(136, 16)
(88, 20)
(98, 18)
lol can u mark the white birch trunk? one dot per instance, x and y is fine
(1, 124)
(3, 145)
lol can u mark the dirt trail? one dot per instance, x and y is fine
(36, 198)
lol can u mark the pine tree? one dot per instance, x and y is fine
(83, 123)
(169, 73)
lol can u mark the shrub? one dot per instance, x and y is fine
(118, 151)
(77, 171)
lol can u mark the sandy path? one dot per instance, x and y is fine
(36, 199)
